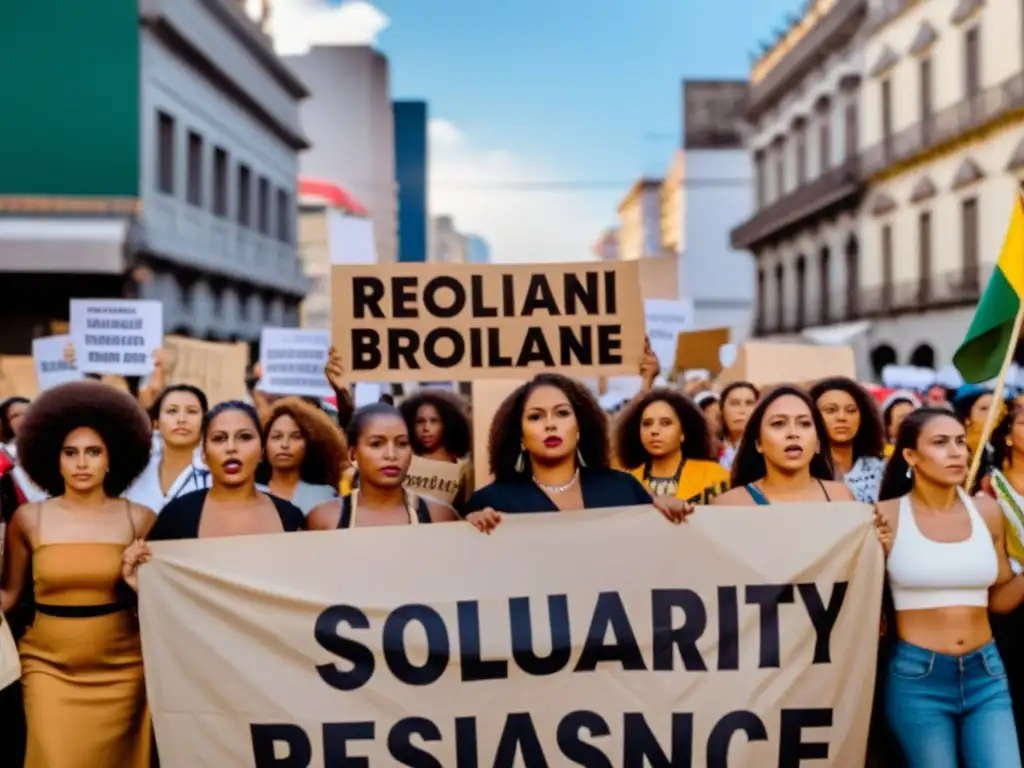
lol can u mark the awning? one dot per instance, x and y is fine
(50, 244)
(836, 335)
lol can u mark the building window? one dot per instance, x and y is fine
(926, 99)
(852, 278)
(887, 117)
(165, 153)
(887, 268)
(969, 234)
(762, 295)
(824, 143)
(220, 182)
(825, 285)
(263, 202)
(801, 156)
(801, 292)
(780, 298)
(759, 174)
(972, 62)
(244, 195)
(850, 131)
(194, 190)
(780, 169)
(924, 258)
(285, 216)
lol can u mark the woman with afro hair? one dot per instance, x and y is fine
(304, 454)
(663, 440)
(83, 443)
(549, 453)
(439, 426)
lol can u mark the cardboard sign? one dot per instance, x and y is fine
(116, 336)
(765, 364)
(52, 369)
(18, 376)
(487, 397)
(659, 276)
(699, 350)
(423, 322)
(293, 361)
(434, 479)
(217, 369)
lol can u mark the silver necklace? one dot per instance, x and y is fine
(558, 488)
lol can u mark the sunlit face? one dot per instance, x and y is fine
(180, 420)
(788, 439)
(286, 445)
(941, 453)
(429, 427)
(15, 413)
(897, 413)
(383, 452)
(736, 410)
(84, 460)
(233, 448)
(661, 433)
(550, 430)
(841, 415)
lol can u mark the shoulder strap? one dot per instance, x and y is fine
(824, 489)
(345, 518)
(423, 511)
(756, 494)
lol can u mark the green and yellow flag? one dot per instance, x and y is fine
(981, 355)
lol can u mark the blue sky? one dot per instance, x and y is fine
(577, 90)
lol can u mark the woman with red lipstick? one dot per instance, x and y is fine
(784, 455)
(855, 434)
(549, 452)
(232, 506)
(305, 453)
(83, 443)
(381, 450)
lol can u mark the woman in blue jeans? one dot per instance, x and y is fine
(946, 696)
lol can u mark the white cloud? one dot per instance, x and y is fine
(296, 25)
(477, 187)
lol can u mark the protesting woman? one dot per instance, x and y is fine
(381, 450)
(305, 453)
(738, 402)
(232, 506)
(855, 435)
(945, 687)
(83, 443)
(549, 453)
(663, 440)
(440, 430)
(176, 467)
(896, 408)
(972, 404)
(783, 455)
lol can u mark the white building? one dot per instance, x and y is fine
(447, 244)
(180, 184)
(640, 220)
(943, 148)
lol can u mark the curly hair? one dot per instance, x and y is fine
(117, 418)
(457, 437)
(629, 447)
(326, 450)
(6, 433)
(870, 438)
(506, 436)
(748, 466)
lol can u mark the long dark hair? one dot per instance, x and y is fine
(729, 389)
(897, 480)
(870, 438)
(6, 433)
(749, 465)
(1001, 452)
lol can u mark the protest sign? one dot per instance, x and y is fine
(435, 479)
(218, 369)
(461, 322)
(52, 369)
(292, 362)
(666, 319)
(766, 364)
(18, 376)
(700, 350)
(486, 397)
(594, 638)
(116, 336)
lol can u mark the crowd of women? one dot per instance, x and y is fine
(89, 474)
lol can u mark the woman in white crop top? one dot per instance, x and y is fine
(945, 691)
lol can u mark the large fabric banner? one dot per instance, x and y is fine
(743, 637)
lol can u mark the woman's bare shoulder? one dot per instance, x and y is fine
(737, 497)
(325, 516)
(838, 491)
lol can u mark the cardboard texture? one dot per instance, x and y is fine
(699, 350)
(216, 368)
(18, 376)
(434, 479)
(765, 364)
(487, 397)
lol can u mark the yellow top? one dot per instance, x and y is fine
(699, 482)
(888, 451)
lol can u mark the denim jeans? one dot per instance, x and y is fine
(951, 711)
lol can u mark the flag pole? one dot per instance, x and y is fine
(997, 401)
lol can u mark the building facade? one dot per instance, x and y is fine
(804, 112)
(350, 122)
(607, 245)
(412, 167)
(447, 244)
(640, 220)
(180, 184)
(942, 140)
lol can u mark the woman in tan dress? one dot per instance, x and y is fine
(83, 443)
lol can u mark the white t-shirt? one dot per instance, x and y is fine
(146, 489)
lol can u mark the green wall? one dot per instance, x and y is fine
(69, 103)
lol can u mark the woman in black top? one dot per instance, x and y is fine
(381, 449)
(549, 452)
(232, 449)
